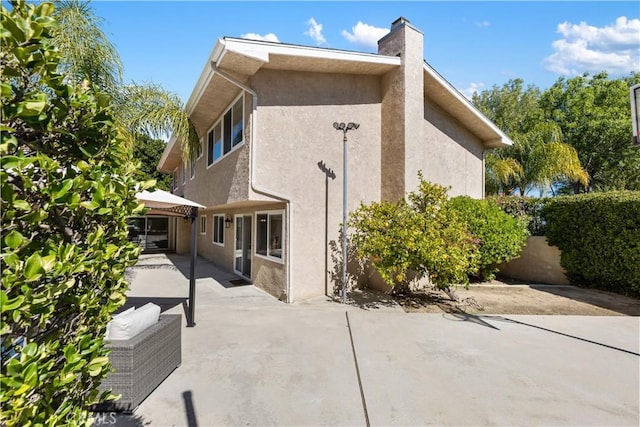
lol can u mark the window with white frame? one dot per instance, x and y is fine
(184, 173)
(227, 132)
(174, 179)
(203, 224)
(199, 153)
(270, 234)
(218, 229)
(192, 167)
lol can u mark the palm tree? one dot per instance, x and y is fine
(538, 158)
(89, 55)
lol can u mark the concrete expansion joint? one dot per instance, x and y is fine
(355, 360)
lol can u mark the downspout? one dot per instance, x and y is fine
(253, 149)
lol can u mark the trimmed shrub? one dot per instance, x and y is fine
(599, 237)
(528, 209)
(500, 236)
(67, 191)
(421, 235)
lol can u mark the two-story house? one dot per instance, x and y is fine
(270, 167)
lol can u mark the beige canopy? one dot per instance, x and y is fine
(162, 202)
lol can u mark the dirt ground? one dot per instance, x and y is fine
(502, 297)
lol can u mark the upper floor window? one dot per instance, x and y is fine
(192, 167)
(227, 132)
(199, 154)
(174, 179)
(184, 173)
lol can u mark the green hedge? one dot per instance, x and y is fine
(599, 236)
(528, 209)
(500, 236)
(67, 190)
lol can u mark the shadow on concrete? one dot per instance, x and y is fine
(465, 317)
(189, 409)
(369, 300)
(204, 269)
(480, 320)
(607, 300)
(165, 303)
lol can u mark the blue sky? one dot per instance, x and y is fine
(474, 45)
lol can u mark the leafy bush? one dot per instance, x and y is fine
(527, 209)
(67, 190)
(599, 237)
(421, 235)
(500, 236)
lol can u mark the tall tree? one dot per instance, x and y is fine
(68, 187)
(148, 151)
(539, 158)
(594, 115)
(89, 55)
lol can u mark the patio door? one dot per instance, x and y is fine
(242, 254)
(151, 233)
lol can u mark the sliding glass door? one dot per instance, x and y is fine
(242, 257)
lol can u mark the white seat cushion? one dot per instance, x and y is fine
(131, 323)
(115, 316)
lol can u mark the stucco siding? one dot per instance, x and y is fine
(265, 274)
(297, 147)
(453, 155)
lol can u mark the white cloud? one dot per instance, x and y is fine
(315, 31)
(585, 48)
(267, 37)
(473, 87)
(483, 24)
(365, 35)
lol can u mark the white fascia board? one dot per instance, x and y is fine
(205, 76)
(167, 150)
(504, 139)
(261, 50)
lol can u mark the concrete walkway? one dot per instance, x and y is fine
(252, 360)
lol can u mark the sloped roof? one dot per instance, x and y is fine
(242, 58)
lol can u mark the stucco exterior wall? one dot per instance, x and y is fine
(265, 274)
(183, 236)
(296, 112)
(538, 262)
(402, 131)
(453, 155)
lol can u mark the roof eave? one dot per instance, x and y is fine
(499, 138)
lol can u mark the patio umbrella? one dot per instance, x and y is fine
(164, 203)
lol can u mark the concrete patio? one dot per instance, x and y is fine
(252, 360)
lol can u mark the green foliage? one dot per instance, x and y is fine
(594, 116)
(149, 151)
(500, 236)
(67, 190)
(87, 54)
(421, 235)
(538, 158)
(526, 209)
(599, 237)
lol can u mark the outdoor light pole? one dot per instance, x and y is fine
(344, 128)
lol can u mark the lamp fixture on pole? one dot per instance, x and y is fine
(344, 128)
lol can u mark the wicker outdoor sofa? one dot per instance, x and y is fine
(141, 363)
